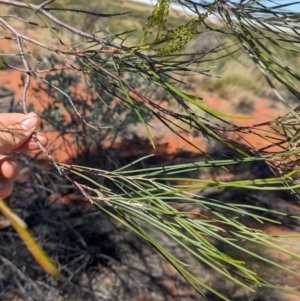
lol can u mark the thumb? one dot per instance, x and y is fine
(15, 135)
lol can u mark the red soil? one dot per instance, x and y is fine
(166, 141)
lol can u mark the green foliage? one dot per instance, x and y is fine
(177, 38)
(170, 40)
(158, 16)
(151, 194)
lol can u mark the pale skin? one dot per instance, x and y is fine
(16, 136)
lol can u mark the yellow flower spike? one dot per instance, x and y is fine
(21, 228)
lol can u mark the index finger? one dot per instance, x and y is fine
(7, 119)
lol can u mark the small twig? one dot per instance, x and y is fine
(7, 38)
(11, 67)
(87, 12)
(72, 104)
(23, 291)
(44, 4)
(78, 32)
(29, 22)
(20, 273)
(44, 70)
(25, 63)
(56, 50)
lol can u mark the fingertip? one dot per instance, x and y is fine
(10, 168)
(6, 187)
(30, 122)
(13, 136)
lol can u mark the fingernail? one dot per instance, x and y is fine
(29, 121)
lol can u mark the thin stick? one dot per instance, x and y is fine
(44, 4)
(81, 33)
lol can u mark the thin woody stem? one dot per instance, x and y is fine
(44, 4)
(78, 32)
(28, 22)
(56, 50)
(25, 63)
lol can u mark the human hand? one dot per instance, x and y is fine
(16, 135)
